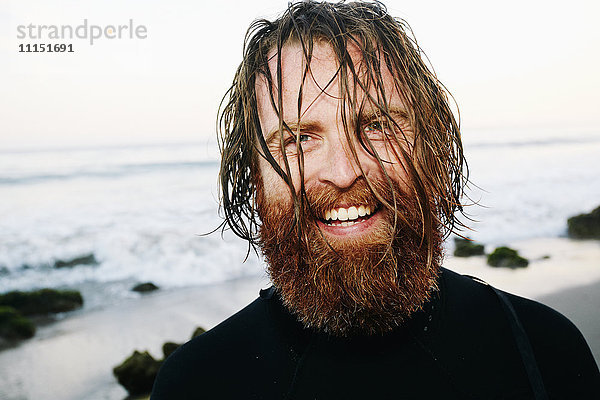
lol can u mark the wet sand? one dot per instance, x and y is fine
(72, 359)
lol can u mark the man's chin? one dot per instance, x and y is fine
(358, 305)
(347, 287)
(345, 279)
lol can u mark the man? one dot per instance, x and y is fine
(342, 162)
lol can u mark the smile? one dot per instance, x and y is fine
(348, 216)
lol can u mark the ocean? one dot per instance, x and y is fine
(146, 212)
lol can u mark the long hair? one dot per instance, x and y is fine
(434, 161)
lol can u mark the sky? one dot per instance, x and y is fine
(509, 65)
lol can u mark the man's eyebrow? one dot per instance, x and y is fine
(303, 126)
(396, 112)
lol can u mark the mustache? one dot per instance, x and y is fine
(375, 193)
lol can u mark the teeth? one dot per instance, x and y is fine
(352, 213)
(348, 223)
(347, 214)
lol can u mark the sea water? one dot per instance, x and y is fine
(527, 183)
(146, 212)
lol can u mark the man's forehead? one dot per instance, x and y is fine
(322, 54)
(323, 74)
(323, 68)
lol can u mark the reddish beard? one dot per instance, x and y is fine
(368, 285)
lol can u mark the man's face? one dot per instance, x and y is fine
(359, 267)
(328, 161)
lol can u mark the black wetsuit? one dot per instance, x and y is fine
(461, 346)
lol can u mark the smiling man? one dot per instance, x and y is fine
(336, 266)
(342, 162)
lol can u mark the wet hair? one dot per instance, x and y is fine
(433, 161)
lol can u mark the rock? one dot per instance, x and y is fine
(467, 248)
(13, 325)
(137, 373)
(585, 226)
(43, 301)
(168, 348)
(145, 287)
(88, 259)
(198, 331)
(506, 257)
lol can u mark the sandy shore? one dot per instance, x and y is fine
(568, 281)
(73, 358)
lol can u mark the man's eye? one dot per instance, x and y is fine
(373, 126)
(375, 130)
(291, 141)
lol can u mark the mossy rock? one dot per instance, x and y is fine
(198, 331)
(137, 373)
(43, 301)
(585, 226)
(144, 287)
(88, 259)
(14, 326)
(467, 248)
(168, 348)
(506, 257)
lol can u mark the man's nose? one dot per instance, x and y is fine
(340, 168)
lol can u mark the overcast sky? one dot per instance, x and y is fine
(510, 64)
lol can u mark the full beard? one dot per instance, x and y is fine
(367, 285)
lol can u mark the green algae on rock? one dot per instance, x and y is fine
(467, 248)
(137, 373)
(42, 301)
(14, 326)
(144, 287)
(506, 257)
(88, 259)
(585, 226)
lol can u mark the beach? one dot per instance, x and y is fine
(117, 146)
(145, 213)
(563, 274)
(73, 358)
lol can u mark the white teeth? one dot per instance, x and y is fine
(347, 214)
(352, 213)
(361, 211)
(345, 223)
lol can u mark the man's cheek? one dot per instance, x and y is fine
(276, 191)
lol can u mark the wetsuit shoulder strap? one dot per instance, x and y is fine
(523, 344)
